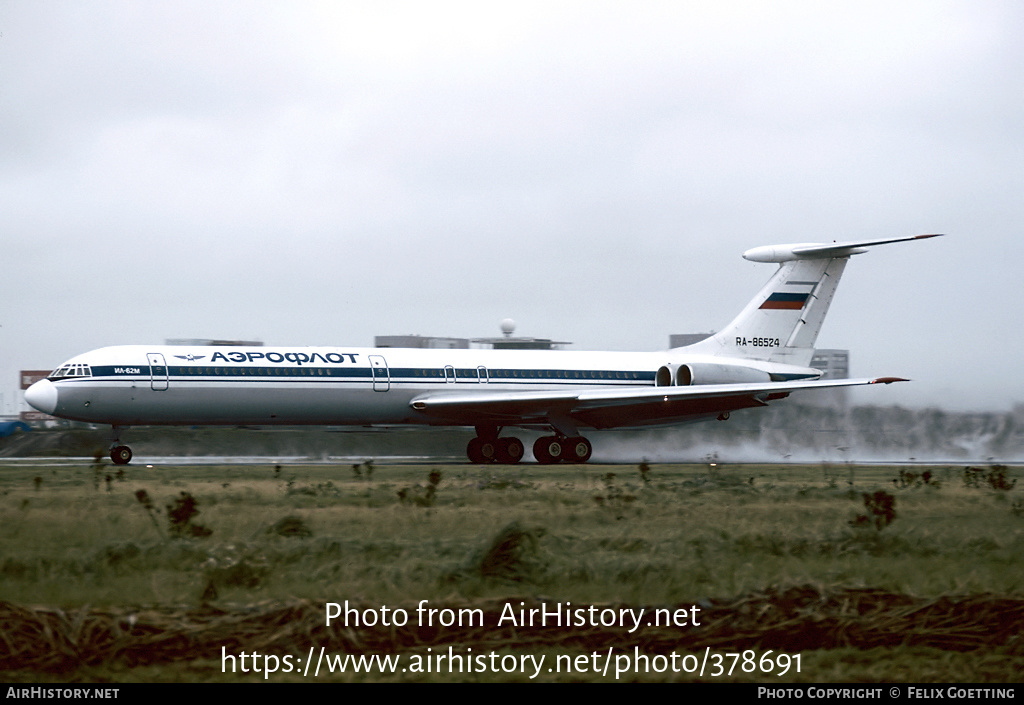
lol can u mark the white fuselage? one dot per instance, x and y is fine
(184, 385)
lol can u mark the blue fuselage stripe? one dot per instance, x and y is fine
(362, 374)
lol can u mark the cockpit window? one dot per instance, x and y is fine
(65, 371)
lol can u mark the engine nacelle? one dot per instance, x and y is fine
(707, 373)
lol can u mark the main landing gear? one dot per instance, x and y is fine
(506, 451)
(555, 449)
(487, 447)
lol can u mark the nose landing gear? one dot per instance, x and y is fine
(120, 454)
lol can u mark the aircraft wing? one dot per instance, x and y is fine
(612, 408)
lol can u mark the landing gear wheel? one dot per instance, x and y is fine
(547, 450)
(510, 450)
(473, 451)
(482, 451)
(121, 455)
(577, 450)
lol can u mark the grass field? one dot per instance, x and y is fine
(83, 540)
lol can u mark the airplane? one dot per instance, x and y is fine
(762, 356)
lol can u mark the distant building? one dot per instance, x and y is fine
(420, 341)
(510, 343)
(28, 378)
(679, 340)
(205, 341)
(506, 342)
(834, 363)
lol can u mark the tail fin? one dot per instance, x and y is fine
(781, 323)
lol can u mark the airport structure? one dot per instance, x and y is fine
(506, 342)
(422, 342)
(207, 341)
(27, 379)
(834, 364)
(680, 340)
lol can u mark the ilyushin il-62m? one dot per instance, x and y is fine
(762, 356)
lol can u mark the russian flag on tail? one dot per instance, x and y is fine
(790, 302)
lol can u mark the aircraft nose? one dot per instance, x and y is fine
(42, 396)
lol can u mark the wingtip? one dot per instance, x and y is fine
(888, 380)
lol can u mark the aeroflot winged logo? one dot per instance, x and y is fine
(190, 358)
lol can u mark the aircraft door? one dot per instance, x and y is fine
(157, 372)
(379, 372)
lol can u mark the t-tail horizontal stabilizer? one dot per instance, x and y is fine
(787, 253)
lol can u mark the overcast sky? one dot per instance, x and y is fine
(321, 173)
